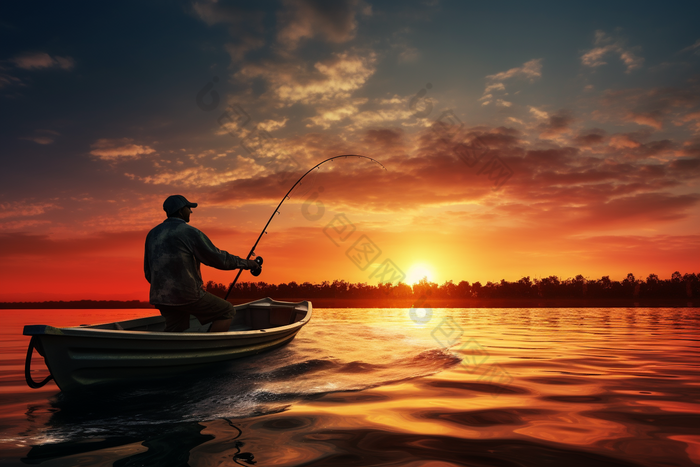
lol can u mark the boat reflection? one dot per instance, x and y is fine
(152, 425)
(178, 445)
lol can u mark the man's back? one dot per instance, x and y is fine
(173, 254)
(174, 251)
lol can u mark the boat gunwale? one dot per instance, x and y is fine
(80, 331)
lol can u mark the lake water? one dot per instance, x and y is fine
(384, 387)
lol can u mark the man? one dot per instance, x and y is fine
(174, 251)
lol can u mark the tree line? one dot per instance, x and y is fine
(678, 286)
(76, 304)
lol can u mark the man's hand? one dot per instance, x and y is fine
(255, 266)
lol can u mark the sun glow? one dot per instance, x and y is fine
(417, 272)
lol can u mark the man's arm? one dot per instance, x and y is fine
(205, 251)
(147, 269)
(146, 264)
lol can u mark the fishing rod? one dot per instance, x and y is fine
(276, 211)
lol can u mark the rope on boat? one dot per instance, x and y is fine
(28, 368)
(246, 457)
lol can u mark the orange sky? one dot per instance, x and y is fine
(503, 159)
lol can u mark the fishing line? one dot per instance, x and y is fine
(276, 211)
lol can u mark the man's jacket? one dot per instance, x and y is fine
(174, 251)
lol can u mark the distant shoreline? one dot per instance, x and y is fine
(395, 303)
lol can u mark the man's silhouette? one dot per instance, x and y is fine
(174, 251)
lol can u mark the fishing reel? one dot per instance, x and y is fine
(256, 272)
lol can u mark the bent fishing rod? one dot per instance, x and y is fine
(276, 211)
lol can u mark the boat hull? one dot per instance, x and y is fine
(136, 350)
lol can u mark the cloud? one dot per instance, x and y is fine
(246, 44)
(529, 70)
(652, 119)
(642, 208)
(272, 125)
(400, 41)
(409, 184)
(329, 80)
(623, 141)
(24, 209)
(112, 149)
(557, 186)
(246, 27)
(283, 75)
(650, 107)
(212, 12)
(695, 48)
(43, 137)
(432, 176)
(409, 54)
(495, 87)
(687, 166)
(385, 137)
(24, 225)
(362, 113)
(590, 138)
(556, 125)
(693, 119)
(39, 60)
(332, 21)
(541, 114)
(7, 79)
(629, 145)
(31, 61)
(327, 116)
(204, 176)
(606, 45)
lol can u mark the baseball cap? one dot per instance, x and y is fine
(174, 203)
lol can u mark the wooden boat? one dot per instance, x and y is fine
(138, 349)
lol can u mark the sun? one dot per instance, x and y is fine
(417, 272)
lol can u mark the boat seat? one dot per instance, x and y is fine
(281, 316)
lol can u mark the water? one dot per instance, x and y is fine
(479, 387)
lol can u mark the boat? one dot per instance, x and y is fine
(89, 356)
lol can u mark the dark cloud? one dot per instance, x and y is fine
(590, 138)
(333, 21)
(692, 148)
(558, 124)
(630, 146)
(650, 107)
(214, 12)
(39, 60)
(246, 26)
(237, 50)
(686, 167)
(384, 137)
(640, 209)
(558, 185)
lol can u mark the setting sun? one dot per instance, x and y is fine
(417, 272)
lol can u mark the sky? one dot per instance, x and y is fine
(511, 139)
